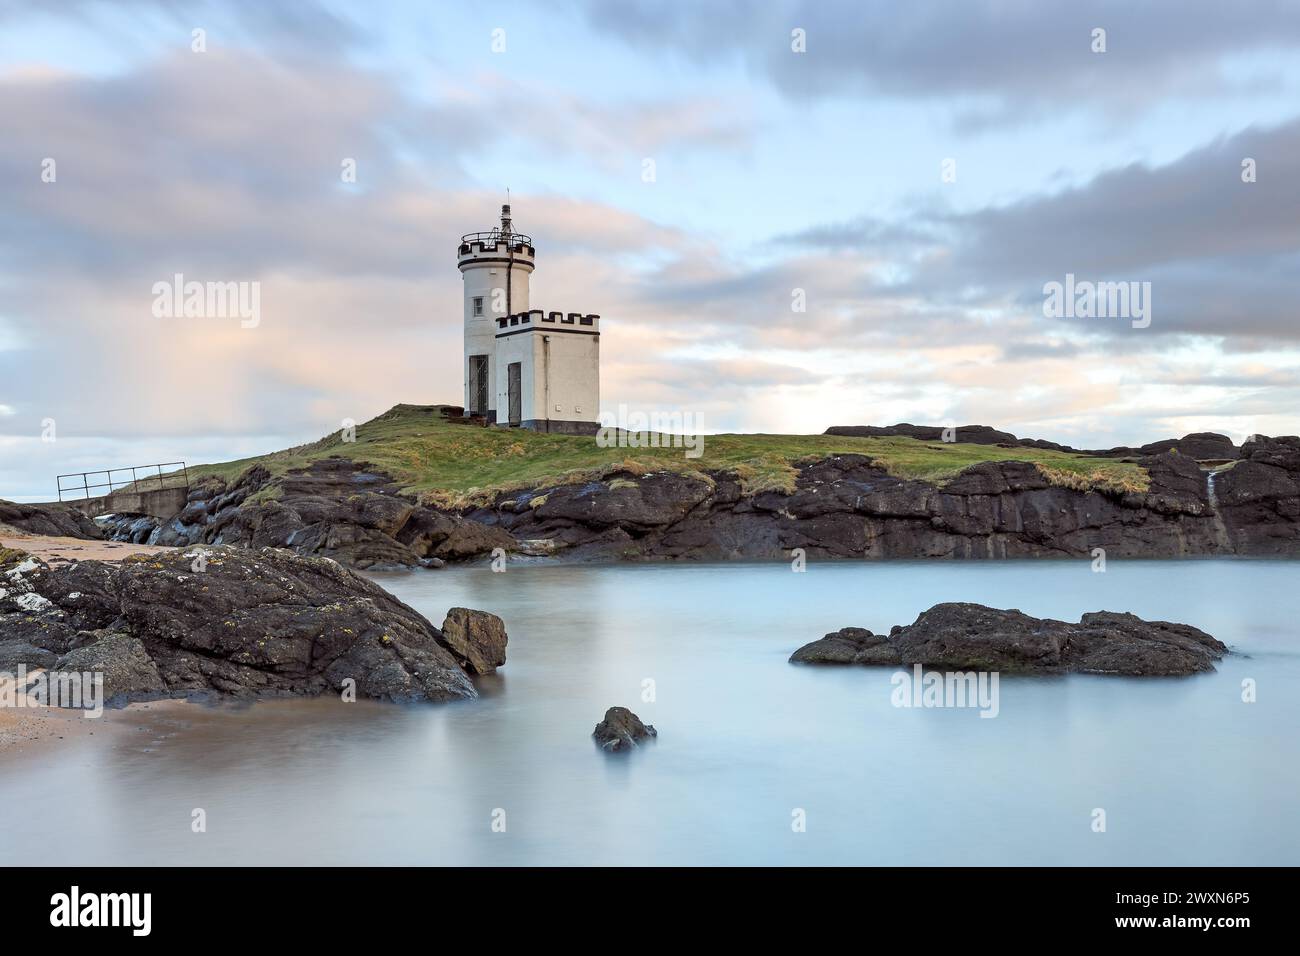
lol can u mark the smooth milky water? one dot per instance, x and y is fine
(1186, 772)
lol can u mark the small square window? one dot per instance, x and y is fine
(478, 305)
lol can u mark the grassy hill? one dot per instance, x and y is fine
(448, 463)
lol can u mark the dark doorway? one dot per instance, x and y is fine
(478, 384)
(513, 372)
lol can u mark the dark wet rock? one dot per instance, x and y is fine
(1259, 497)
(621, 729)
(19, 572)
(1201, 446)
(336, 508)
(852, 645)
(958, 636)
(18, 653)
(466, 540)
(129, 673)
(1282, 452)
(442, 537)
(845, 506)
(646, 502)
(244, 623)
(137, 529)
(974, 434)
(974, 637)
(11, 558)
(1111, 643)
(1178, 485)
(1251, 482)
(60, 521)
(995, 478)
(477, 638)
(841, 506)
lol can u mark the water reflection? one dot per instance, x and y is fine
(1186, 772)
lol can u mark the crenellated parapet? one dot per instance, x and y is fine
(500, 245)
(548, 321)
(491, 248)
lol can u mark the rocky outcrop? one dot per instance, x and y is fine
(337, 508)
(234, 622)
(1201, 446)
(477, 638)
(129, 672)
(16, 654)
(846, 506)
(973, 434)
(621, 729)
(1259, 498)
(851, 645)
(972, 637)
(46, 519)
(843, 506)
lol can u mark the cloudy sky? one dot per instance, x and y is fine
(773, 171)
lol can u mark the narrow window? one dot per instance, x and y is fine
(478, 305)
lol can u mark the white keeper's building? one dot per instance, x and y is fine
(524, 367)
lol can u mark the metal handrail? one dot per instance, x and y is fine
(136, 482)
(496, 236)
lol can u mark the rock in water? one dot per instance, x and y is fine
(230, 621)
(621, 729)
(852, 645)
(974, 637)
(477, 638)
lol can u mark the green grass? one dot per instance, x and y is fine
(450, 464)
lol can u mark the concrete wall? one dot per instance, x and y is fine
(161, 503)
(569, 379)
(559, 372)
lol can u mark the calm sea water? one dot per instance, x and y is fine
(1186, 772)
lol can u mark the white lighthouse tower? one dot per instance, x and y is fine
(495, 267)
(523, 367)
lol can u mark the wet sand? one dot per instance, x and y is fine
(33, 733)
(53, 550)
(34, 729)
(39, 729)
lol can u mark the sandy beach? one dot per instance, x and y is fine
(32, 729)
(26, 726)
(54, 550)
